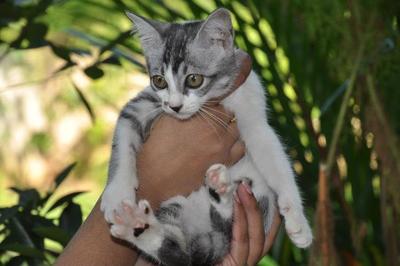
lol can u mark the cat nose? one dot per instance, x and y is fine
(176, 108)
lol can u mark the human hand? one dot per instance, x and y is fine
(249, 243)
(243, 63)
(177, 154)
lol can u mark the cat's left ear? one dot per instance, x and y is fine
(217, 30)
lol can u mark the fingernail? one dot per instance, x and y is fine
(236, 197)
(247, 187)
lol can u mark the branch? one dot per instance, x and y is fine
(391, 138)
(42, 80)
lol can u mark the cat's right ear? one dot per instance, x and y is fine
(149, 32)
(217, 30)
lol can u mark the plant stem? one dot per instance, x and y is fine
(342, 112)
(391, 138)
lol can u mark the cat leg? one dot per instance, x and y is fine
(122, 170)
(137, 224)
(269, 158)
(268, 155)
(220, 188)
(281, 179)
(131, 130)
(209, 247)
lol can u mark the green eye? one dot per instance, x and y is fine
(159, 82)
(194, 80)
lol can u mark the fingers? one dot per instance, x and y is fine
(269, 240)
(240, 239)
(255, 221)
(142, 262)
(244, 61)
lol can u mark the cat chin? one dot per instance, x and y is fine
(183, 116)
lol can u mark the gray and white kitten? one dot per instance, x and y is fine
(190, 64)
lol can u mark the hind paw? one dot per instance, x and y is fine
(218, 179)
(297, 226)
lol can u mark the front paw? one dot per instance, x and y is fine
(132, 220)
(112, 198)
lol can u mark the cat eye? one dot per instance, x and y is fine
(194, 81)
(159, 82)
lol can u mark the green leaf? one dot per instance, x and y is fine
(120, 38)
(22, 250)
(71, 218)
(267, 261)
(112, 60)
(63, 174)
(16, 261)
(54, 233)
(7, 213)
(64, 199)
(85, 102)
(61, 52)
(19, 232)
(101, 43)
(28, 198)
(35, 33)
(94, 72)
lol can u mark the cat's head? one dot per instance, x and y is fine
(190, 63)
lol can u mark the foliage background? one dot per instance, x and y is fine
(332, 72)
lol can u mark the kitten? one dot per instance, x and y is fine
(190, 64)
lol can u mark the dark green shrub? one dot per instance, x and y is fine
(36, 218)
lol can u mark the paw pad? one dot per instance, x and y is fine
(139, 230)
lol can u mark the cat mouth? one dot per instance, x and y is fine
(180, 115)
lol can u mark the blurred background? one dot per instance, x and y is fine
(332, 73)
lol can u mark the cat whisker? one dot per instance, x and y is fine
(203, 116)
(208, 117)
(217, 111)
(212, 102)
(218, 120)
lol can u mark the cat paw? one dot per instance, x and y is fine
(132, 220)
(297, 227)
(218, 179)
(111, 200)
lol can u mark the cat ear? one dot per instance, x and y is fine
(217, 30)
(149, 32)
